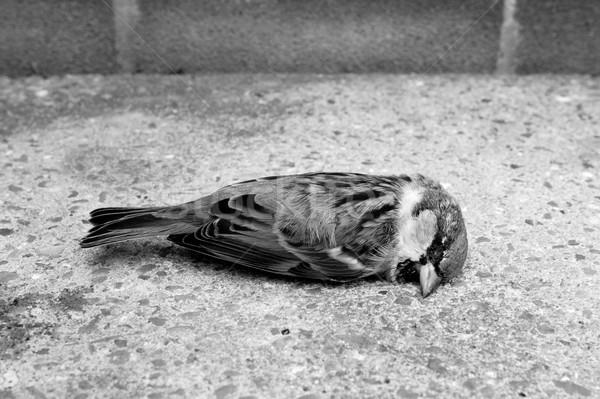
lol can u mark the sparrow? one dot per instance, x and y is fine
(326, 226)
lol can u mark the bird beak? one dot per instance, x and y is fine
(428, 278)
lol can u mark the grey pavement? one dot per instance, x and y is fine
(146, 319)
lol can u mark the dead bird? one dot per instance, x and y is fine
(325, 226)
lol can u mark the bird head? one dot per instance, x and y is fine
(445, 257)
(433, 239)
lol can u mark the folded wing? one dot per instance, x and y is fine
(256, 224)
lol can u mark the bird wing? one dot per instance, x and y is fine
(251, 248)
(284, 225)
(240, 245)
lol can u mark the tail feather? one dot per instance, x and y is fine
(104, 215)
(112, 225)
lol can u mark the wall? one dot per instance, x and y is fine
(184, 36)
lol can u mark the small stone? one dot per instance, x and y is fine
(7, 276)
(119, 357)
(572, 388)
(483, 274)
(404, 300)
(191, 358)
(435, 364)
(51, 252)
(6, 232)
(306, 333)
(355, 339)
(179, 330)
(9, 379)
(487, 392)
(163, 252)
(579, 257)
(436, 350)
(404, 392)
(182, 298)
(99, 279)
(525, 315)
(157, 321)
(470, 384)
(519, 384)
(190, 315)
(90, 327)
(547, 185)
(572, 242)
(482, 239)
(15, 189)
(545, 329)
(100, 271)
(146, 268)
(529, 222)
(589, 271)
(225, 391)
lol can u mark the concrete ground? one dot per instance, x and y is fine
(146, 319)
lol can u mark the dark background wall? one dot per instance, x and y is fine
(55, 37)
(180, 36)
(559, 36)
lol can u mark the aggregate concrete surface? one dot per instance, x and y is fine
(147, 319)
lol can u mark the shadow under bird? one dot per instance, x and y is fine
(324, 226)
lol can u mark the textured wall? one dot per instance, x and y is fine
(173, 36)
(559, 36)
(55, 37)
(317, 35)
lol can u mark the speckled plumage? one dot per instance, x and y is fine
(325, 226)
